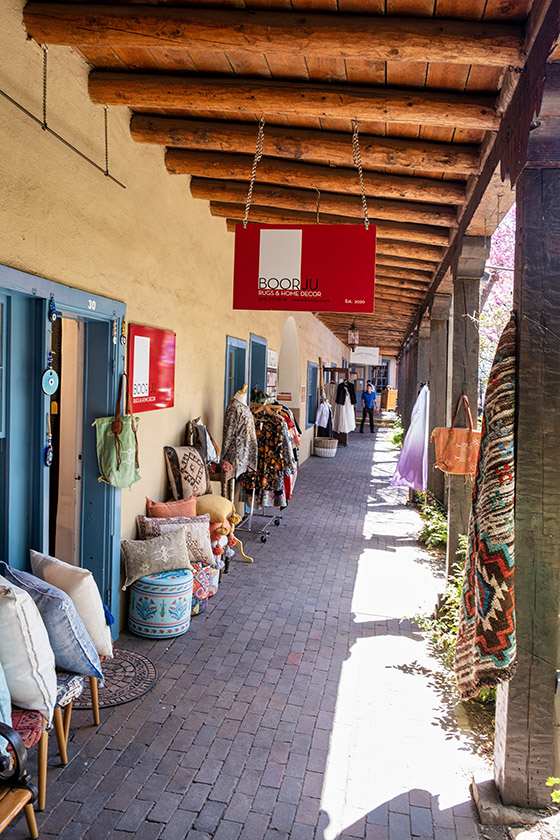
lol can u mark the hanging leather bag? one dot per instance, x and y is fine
(457, 448)
(117, 444)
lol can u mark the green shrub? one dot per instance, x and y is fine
(397, 437)
(434, 531)
(555, 795)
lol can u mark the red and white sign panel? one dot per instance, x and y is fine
(317, 268)
(151, 367)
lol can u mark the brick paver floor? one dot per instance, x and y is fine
(303, 704)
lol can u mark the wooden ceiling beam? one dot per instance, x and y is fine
(386, 260)
(273, 215)
(402, 275)
(316, 35)
(144, 91)
(326, 147)
(311, 176)
(427, 253)
(235, 192)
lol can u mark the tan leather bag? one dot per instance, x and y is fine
(457, 448)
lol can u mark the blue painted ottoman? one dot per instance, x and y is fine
(160, 605)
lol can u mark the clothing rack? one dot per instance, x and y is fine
(246, 523)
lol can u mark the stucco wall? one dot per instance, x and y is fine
(150, 245)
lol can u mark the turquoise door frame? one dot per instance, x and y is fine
(257, 362)
(24, 478)
(236, 367)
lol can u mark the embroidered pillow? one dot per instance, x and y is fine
(186, 471)
(25, 652)
(72, 647)
(160, 554)
(162, 510)
(81, 587)
(197, 534)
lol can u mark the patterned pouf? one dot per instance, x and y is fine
(213, 580)
(160, 604)
(201, 587)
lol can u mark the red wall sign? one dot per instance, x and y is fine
(317, 268)
(151, 367)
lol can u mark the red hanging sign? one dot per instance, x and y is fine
(317, 268)
(151, 367)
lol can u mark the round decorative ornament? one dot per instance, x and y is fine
(49, 382)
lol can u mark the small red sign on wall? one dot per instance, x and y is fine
(151, 367)
(317, 268)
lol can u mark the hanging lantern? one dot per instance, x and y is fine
(353, 336)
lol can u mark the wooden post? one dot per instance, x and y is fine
(527, 725)
(423, 366)
(439, 330)
(464, 380)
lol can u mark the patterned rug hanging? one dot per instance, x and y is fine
(486, 647)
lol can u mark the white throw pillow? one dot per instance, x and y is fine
(80, 585)
(25, 652)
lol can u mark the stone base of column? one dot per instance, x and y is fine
(492, 811)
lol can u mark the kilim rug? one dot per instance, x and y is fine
(486, 649)
(127, 676)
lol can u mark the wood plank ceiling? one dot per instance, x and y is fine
(428, 81)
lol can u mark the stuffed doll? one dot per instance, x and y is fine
(223, 519)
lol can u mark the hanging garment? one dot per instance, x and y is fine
(485, 652)
(275, 461)
(412, 466)
(239, 442)
(344, 388)
(344, 419)
(324, 420)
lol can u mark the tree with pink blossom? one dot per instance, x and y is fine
(496, 296)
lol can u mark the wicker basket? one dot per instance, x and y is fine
(325, 447)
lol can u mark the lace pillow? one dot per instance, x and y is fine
(197, 534)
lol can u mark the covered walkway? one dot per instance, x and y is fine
(303, 704)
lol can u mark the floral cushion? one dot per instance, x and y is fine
(68, 687)
(29, 725)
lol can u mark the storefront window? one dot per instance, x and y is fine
(236, 366)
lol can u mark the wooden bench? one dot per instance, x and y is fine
(16, 791)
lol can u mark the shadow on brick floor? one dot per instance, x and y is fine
(303, 702)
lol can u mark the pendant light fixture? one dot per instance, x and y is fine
(353, 335)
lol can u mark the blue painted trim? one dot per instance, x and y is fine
(262, 342)
(312, 384)
(238, 344)
(93, 309)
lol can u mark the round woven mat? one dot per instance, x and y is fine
(127, 676)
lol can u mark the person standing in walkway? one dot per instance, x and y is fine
(369, 404)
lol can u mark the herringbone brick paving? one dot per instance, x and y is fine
(303, 704)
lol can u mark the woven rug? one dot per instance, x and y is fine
(486, 649)
(127, 676)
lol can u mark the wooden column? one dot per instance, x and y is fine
(464, 379)
(439, 336)
(407, 387)
(526, 724)
(423, 364)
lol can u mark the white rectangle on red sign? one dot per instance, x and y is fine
(318, 268)
(280, 254)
